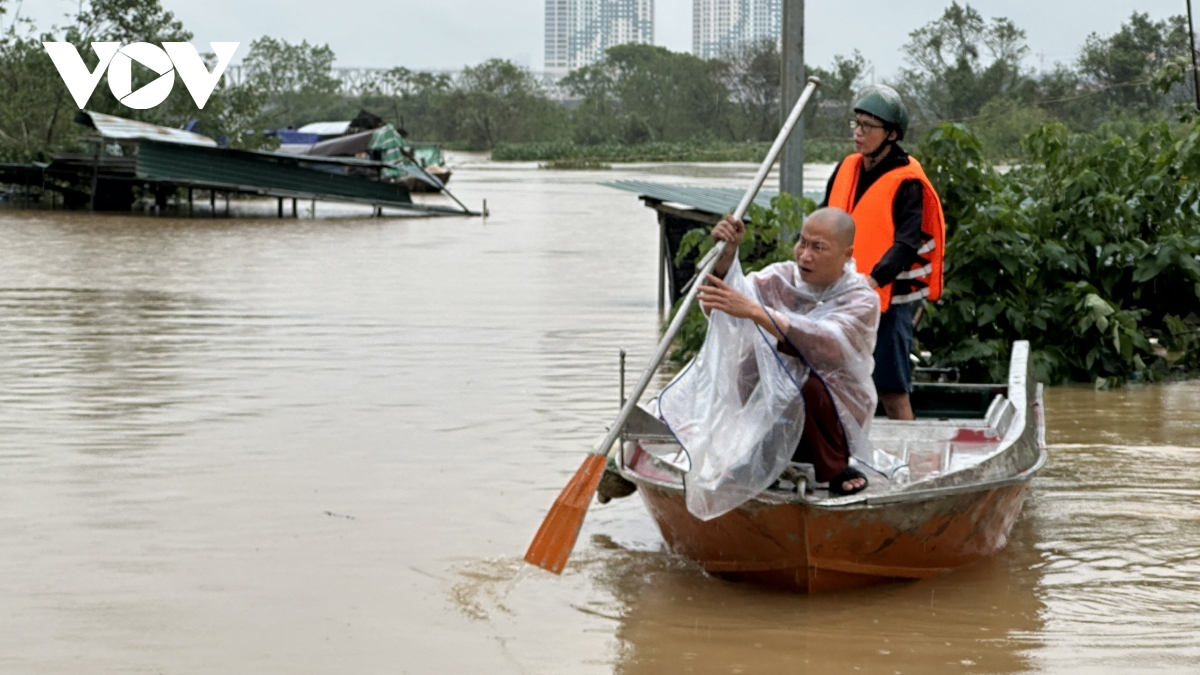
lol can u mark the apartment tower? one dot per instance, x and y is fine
(579, 31)
(720, 26)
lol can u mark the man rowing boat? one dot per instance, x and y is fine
(785, 371)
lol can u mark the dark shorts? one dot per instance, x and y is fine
(893, 369)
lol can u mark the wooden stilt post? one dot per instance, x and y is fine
(191, 209)
(280, 207)
(95, 175)
(662, 265)
(227, 203)
(212, 203)
(294, 208)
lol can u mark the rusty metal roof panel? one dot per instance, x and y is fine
(120, 128)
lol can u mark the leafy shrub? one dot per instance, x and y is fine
(1091, 251)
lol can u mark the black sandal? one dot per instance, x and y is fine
(835, 485)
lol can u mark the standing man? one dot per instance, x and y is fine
(901, 234)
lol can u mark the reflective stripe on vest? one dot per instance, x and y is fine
(876, 230)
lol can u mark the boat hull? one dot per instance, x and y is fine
(417, 185)
(969, 482)
(810, 549)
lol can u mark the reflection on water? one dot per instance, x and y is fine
(101, 363)
(982, 620)
(668, 616)
(1118, 510)
(313, 446)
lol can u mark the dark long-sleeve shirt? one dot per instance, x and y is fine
(907, 214)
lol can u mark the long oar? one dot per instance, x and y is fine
(556, 537)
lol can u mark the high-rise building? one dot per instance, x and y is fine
(719, 26)
(558, 36)
(579, 31)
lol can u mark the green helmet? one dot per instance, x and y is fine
(880, 100)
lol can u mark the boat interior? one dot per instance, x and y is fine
(958, 427)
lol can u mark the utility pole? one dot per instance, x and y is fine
(1192, 43)
(791, 83)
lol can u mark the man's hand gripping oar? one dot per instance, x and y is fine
(551, 546)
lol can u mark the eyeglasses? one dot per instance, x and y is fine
(867, 127)
(817, 247)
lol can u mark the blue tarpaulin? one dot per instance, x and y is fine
(291, 136)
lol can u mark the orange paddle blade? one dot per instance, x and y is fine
(556, 537)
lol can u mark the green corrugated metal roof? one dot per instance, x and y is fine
(269, 174)
(715, 200)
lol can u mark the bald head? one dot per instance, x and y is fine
(825, 246)
(838, 221)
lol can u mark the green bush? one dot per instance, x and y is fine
(1091, 251)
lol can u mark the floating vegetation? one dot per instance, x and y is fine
(575, 165)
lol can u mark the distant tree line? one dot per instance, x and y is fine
(958, 67)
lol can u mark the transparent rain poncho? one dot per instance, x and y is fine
(737, 409)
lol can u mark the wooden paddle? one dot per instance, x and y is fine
(556, 537)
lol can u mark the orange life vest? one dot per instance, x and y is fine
(876, 230)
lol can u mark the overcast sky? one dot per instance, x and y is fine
(451, 33)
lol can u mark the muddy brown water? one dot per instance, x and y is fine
(322, 445)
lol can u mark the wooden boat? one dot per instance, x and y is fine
(970, 454)
(429, 157)
(415, 184)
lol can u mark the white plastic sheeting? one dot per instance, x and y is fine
(737, 408)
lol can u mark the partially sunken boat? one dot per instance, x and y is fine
(417, 165)
(970, 456)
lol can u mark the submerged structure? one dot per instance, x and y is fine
(419, 166)
(128, 156)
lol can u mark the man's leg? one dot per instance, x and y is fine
(897, 405)
(893, 370)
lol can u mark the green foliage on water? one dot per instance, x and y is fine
(689, 151)
(574, 165)
(1090, 250)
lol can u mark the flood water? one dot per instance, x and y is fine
(322, 445)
